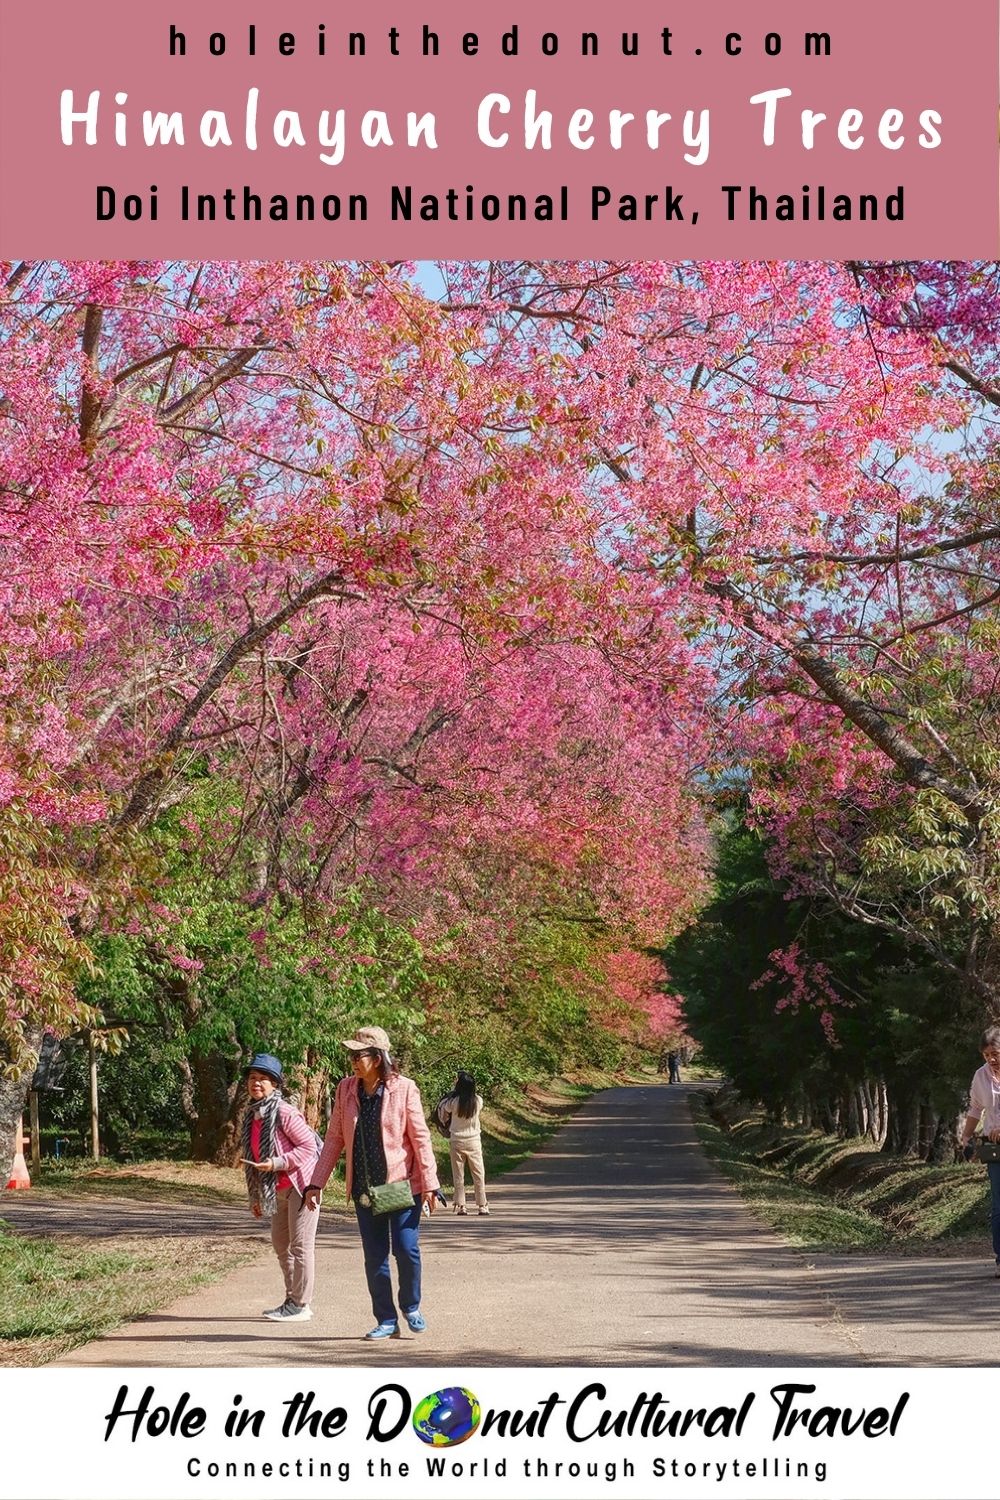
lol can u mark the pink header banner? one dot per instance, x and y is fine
(780, 129)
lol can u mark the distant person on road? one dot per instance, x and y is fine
(674, 1067)
(984, 1104)
(461, 1110)
(378, 1124)
(279, 1152)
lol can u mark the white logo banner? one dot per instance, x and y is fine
(202, 1434)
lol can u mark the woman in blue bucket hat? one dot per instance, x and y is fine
(279, 1152)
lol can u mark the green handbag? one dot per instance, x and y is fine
(390, 1196)
(385, 1197)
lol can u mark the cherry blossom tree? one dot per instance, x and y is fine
(300, 528)
(803, 454)
(480, 585)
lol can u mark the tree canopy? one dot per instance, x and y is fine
(372, 647)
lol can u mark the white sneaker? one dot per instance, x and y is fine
(275, 1312)
(484, 1213)
(290, 1312)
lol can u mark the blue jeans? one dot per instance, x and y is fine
(993, 1167)
(403, 1229)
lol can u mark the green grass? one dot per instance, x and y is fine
(802, 1215)
(57, 1293)
(832, 1194)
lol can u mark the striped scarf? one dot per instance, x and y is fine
(261, 1185)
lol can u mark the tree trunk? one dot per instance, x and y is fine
(215, 1081)
(315, 1088)
(862, 1105)
(850, 1124)
(881, 1117)
(210, 1079)
(929, 1122)
(95, 1116)
(903, 1135)
(943, 1147)
(228, 1152)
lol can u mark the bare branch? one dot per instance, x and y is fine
(146, 791)
(885, 559)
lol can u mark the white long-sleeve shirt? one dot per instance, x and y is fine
(984, 1099)
(462, 1129)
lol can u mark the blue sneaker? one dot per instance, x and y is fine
(415, 1321)
(384, 1331)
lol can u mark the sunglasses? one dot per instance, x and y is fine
(368, 1052)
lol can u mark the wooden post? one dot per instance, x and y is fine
(36, 1140)
(95, 1137)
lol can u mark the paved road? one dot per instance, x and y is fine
(618, 1244)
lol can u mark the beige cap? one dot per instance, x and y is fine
(368, 1036)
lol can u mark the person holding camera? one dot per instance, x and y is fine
(461, 1113)
(984, 1104)
(378, 1124)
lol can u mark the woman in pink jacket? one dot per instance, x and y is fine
(378, 1121)
(279, 1153)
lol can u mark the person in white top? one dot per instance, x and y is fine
(984, 1104)
(460, 1112)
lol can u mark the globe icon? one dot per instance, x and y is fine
(447, 1417)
